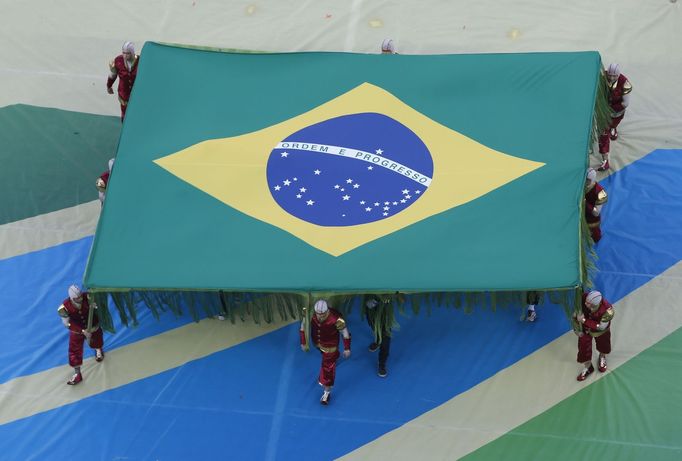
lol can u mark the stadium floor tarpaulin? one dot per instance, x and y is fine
(483, 385)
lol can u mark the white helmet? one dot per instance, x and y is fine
(74, 292)
(321, 307)
(613, 70)
(593, 298)
(387, 46)
(129, 47)
(591, 175)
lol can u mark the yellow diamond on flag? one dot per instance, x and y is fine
(235, 171)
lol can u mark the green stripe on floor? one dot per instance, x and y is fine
(50, 158)
(625, 416)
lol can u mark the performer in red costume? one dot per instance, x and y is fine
(594, 321)
(595, 198)
(619, 98)
(123, 67)
(75, 313)
(326, 324)
(102, 182)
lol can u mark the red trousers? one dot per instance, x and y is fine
(604, 142)
(585, 345)
(76, 346)
(124, 106)
(596, 233)
(328, 368)
(604, 138)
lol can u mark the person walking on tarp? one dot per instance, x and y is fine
(594, 321)
(376, 311)
(325, 328)
(77, 312)
(619, 98)
(102, 181)
(595, 198)
(123, 67)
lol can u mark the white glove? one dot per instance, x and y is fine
(595, 211)
(580, 317)
(87, 334)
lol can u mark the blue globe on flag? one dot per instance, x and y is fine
(349, 170)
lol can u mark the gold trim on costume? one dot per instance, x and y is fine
(328, 350)
(627, 87)
(61, 310)
(592, 225)
(340, 324)
(608, 315)
(602, 197)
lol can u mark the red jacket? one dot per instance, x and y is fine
(102, 181)
(78, 318)
(620, 88)
(593, 197)
(126, 78)
(325, 335)
(603, 314)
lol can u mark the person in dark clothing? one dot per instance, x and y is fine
(378, 312)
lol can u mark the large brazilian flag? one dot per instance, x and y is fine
(265, 178)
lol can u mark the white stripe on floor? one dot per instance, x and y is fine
(49, 229)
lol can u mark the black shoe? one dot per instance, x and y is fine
(373, 347)
(382, 371)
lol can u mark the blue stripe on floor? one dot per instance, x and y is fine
(642, 223)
